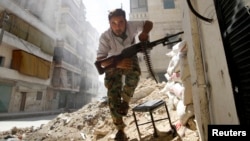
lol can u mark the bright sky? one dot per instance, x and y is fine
(97, 11)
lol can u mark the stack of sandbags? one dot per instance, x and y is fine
(178, 87)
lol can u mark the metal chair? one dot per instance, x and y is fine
(150, 106)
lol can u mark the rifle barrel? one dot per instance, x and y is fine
(164, 40)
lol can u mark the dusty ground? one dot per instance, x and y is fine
(93, 122)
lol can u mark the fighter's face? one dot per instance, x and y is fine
(118, 25)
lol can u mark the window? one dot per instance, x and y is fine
(138, 3)
(69, 77)
(54, 96)
(1, 61)
(168, 4)
(138, 6)
(39, 95)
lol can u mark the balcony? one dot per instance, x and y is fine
(27, 32)
(64, 79)
(31, 65)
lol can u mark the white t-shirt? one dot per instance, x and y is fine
(110, 45)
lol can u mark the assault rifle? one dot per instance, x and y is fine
(133, 50)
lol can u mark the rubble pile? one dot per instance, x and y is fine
(93, 122)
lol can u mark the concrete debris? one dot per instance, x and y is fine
(83, 136)
(93, 122)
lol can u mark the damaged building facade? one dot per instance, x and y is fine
(46, 56)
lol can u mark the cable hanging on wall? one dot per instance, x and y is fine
(197, 14)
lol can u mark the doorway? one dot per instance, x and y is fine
(23, 101)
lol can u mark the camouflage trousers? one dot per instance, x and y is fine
(119, 90)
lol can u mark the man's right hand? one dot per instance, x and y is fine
(107, 62)
(125, 63)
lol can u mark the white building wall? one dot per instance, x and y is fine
(222, 101)
(20, 82)
(166, 21)
(7, 53)
(212, 90)
(31, 103)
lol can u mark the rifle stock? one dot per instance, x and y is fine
(131, 51)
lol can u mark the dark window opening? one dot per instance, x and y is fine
(39, 95)
(2, 61)
(168, 4)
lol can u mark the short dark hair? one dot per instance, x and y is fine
(117, 12)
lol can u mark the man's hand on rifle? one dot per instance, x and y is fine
(143, 37)
(107, 62)
(125, 63)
